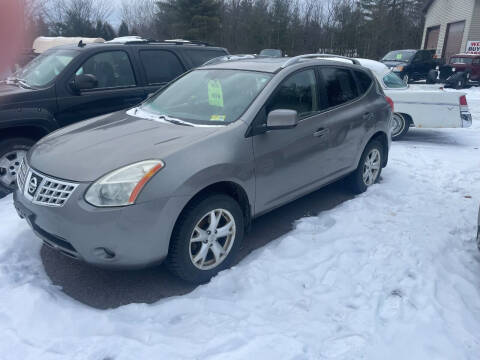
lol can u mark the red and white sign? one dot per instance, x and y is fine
(473, 47)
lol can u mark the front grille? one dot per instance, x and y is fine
(44, 190)
(53, 192)
(22, 175)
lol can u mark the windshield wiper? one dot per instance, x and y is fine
(18, 81)
(174, 121)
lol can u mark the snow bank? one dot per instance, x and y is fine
(391, 274)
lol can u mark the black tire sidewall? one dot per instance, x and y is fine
(12, 144)
(178, 260)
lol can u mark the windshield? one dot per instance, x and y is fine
(393, 81)
(271, 53)
(46, 67)
(399, 55)
(212, 97)
(460, 60)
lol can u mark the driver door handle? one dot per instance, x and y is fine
(321, 132)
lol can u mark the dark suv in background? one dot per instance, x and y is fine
(411, 65)
(75, 82)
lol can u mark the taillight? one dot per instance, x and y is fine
(463, 100)
(390, 102)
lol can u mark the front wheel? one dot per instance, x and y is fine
(369, 168)
(12, 152)
(206, 238)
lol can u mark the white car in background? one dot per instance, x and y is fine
(426, 107)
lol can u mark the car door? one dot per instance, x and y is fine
(116, 88)
(160, 67)
(292, 162)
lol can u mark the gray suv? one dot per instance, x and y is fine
(180, 177)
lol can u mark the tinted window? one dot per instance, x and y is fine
(339, 85)
(298, 92)
(161, 66)
(393, 81)
(111, 68)
(460, 60)
(364, 81)
(199, 57)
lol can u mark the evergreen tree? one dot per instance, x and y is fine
(123, 29)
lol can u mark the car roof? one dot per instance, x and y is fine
(169, 45)
(271, 65)
(466, 55)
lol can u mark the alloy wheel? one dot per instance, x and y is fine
(9, 164)
(212, 239)
(371, 167)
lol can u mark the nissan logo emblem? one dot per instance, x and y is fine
(32, 186)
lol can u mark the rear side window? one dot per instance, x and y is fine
(393, 81)
(339, 86)
(199, 57)
(298, 92)
(364, 81)
(161, 66)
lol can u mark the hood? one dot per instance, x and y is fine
(393, 63)
(85, 151)
(14, 94)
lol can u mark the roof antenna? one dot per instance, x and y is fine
(81, 44)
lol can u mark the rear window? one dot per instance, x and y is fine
(393, 81)
(339, 85)
(161, 66)
(199, 57)
(364, 81)
(461, 60)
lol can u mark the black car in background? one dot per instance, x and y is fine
(411, 65)
(71, 83)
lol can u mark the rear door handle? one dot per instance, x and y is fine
(321, 132)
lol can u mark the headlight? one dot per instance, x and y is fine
(398, 68)
(122, 187)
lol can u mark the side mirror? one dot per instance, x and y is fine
(84, 82)
(282, 119)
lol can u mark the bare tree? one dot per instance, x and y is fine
(140, 16)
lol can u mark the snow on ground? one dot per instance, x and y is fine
(392, 274)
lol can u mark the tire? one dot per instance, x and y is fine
(432, 77)
(400, 126)
(406, 79)
(356, 180)
(183, 253)
(11, 153)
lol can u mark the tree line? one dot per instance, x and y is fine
(364, 28)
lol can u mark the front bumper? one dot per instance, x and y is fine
(134, 236)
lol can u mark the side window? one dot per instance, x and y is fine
(200, 57)
(476, 61)
(364, 81)
(111, 68)
(161, 66)
(339, 85)
(298, 92)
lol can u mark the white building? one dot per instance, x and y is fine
(451, 25)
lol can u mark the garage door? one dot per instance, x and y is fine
(453, 39)
(431, 40)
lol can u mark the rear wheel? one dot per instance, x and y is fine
(432, 76)
(400, 125)
(12, 152)
(369, 168)
(206, 238)
(406, 79)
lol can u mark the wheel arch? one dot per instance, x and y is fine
(33, 132)
(230, 188)
(381, 137)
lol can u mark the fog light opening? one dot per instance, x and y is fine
(104, 253)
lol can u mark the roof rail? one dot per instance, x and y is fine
(185, 42)
(226, 58)
(297, 59)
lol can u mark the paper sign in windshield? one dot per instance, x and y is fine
(215, 94)
(217, 118)
(399, 56)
